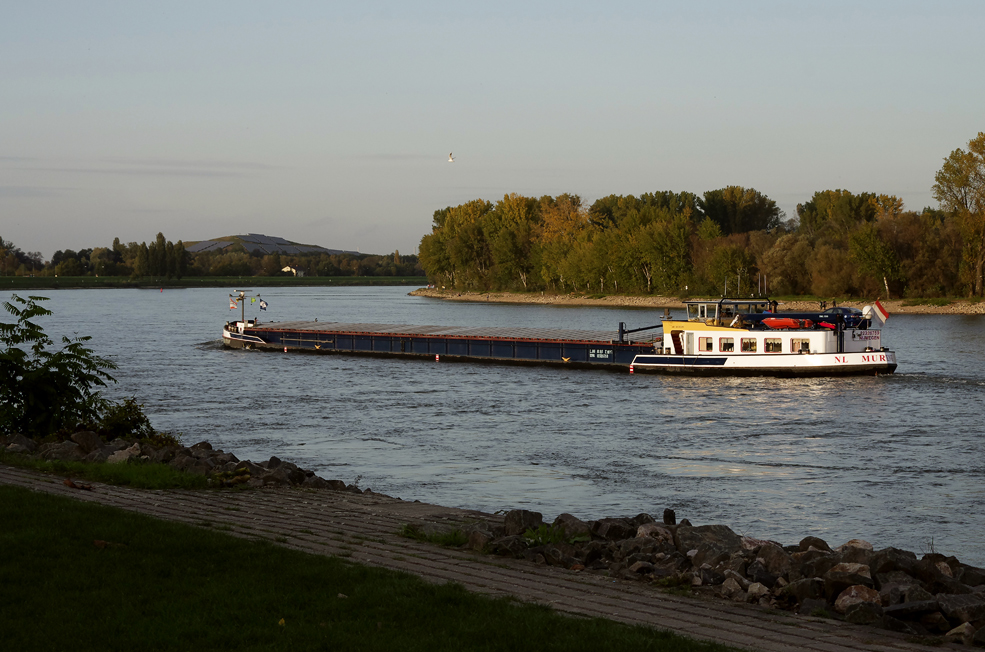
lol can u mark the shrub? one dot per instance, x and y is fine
(44, 391)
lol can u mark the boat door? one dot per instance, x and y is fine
(689, 343)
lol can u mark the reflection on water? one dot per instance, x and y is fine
(895, 460)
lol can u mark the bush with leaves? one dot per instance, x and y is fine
(43, 391)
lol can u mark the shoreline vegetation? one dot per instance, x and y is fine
(791, 304)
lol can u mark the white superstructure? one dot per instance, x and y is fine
(744, 336)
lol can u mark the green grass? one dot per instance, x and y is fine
(46, 282)
(153, 585)
(142, 476)
(449, 538)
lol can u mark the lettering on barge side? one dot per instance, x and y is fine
(600, 354)
(866, 336)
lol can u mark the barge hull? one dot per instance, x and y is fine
(874, 363)
(525, 346)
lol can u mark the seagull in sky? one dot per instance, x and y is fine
(451, 159)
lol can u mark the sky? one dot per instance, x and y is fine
(330, 123)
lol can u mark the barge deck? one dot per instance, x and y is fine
(580, 348)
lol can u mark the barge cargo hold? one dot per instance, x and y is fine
(499, 344)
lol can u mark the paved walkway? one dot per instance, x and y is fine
(363, 528)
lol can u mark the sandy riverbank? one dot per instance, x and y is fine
(956, 307)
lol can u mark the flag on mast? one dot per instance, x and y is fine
(232, 303)
(881, 313)
(263, 304)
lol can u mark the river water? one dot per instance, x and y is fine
(896, 460)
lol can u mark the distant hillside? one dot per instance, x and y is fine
(265, 244)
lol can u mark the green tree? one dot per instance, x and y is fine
(141, 266)
(872, 256)
(43, 391)
(738, 210)
(835, 212)
(960, 188)
(180, 260)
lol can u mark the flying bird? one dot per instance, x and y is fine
(451, 159)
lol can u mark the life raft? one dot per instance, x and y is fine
(777, 323)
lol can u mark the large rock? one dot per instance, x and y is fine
(814, 542)
(808, 588)
(65, 451)
(971, 575)
(818, 566)
(87, 440)
(690, 538)
(864, 613)
(855, 594)
(124, 455)
(614, 529)
(279, 477)
(656, 531)
(911, 610)
(774, 559)
(731, 589)
(20, 440)
(963, 634)
(855, 543)
(518, 521)
(97, 456)
(479, 539)
(888, 560)
(512, 545)
(572, 526)
(711, 544)
(757, 573)
(962, 608)
(842, 576)
(314, 482)
(191, 464)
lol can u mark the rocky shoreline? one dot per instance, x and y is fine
(932, 595)
(895, 306)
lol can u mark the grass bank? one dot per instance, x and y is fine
(66, 282)
(141, 476)
(86, 577)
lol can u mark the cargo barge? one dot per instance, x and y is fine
(724, 337)
(500, 344)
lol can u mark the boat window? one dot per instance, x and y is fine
(773, 345)
(705, 343)
(726, 344)
(798, 344)
(748, 344)
(692, 312)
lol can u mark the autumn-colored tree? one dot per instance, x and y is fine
(960, 188)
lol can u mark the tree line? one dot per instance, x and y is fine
(162, 258)
(731, 240)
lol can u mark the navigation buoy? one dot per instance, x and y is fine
(437, 357)
(285, 349)
(630, 368)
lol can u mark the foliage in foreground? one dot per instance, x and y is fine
(85, 577)
(46, 392)
(43, 391)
